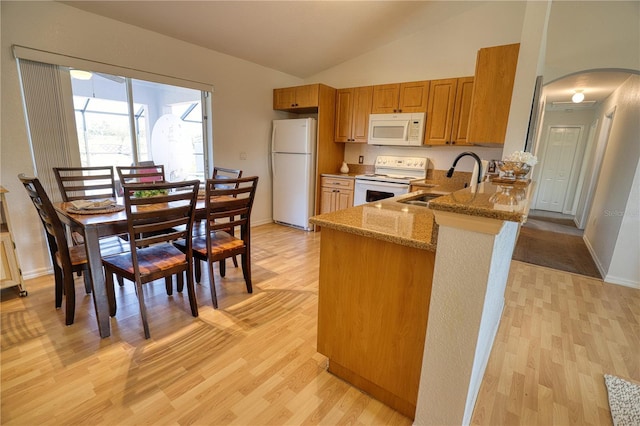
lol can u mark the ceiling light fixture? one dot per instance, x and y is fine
(80, 74)
(577, 97)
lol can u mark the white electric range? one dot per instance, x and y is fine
(392, 176)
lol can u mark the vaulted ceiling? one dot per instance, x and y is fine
(300, 38)
(303, 38)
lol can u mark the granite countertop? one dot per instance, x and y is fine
(438, 186)
(387, 220)
(494, 201)
(340, 175)
(414, 226)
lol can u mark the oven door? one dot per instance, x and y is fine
(367, 191)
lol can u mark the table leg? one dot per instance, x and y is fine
(100, 301)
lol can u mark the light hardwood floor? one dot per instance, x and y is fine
(254, 361)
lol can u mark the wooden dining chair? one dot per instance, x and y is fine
(220, 173)
(65, 260)
(234, 202)
(85, 183)
(141, 174)
(153, 224)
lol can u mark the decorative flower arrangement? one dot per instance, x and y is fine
(146, 193)
(517, 165)
(522, 157)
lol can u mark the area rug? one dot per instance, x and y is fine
(624, 401)
(560, 251)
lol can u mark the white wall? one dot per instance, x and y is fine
(446, 47)
(611, 220)
(243, 94)
(625, 268)
(585, 35)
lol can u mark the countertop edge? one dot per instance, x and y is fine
(357, 230)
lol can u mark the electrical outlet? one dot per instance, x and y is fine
(361, 159)
(243, 155)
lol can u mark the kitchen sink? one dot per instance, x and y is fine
(421, 200)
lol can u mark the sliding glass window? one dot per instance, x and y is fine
(123, 121)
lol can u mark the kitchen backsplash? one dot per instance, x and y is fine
(436, 175)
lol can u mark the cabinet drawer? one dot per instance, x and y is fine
(337, 182)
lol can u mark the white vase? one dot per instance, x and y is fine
(344, 168)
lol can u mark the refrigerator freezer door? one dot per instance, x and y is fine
(295, 136)
(293, 189)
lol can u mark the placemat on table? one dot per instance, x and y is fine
(108, 209)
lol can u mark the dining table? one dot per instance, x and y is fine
(98, 224)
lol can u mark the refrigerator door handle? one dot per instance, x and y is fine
(273, 138)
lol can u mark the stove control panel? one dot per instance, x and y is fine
(404, 163)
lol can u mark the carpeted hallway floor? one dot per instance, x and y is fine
(554, 241)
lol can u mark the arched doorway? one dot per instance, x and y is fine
(572, 140)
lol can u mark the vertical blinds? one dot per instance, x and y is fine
(47, 117)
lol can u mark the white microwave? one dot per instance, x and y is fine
(396, 129)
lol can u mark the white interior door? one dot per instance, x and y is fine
(557, 167)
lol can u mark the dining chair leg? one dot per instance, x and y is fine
(212, 286)
(111, 296)
(246, 272)
(87, 282)
(223, 268)
(191, 292)
(143, 310)
(168, 283)
(69, 298)
(180, 279)
(235, 261)
(120, 280)
(59, 285)
(198, 270)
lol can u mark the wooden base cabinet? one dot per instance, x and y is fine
(337, 194)
(10, 272)
(373, 306)
(448, 111)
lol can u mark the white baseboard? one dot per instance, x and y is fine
(36, 273)
(595, 258)
(610, 279)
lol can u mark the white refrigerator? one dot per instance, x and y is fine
(293, 170)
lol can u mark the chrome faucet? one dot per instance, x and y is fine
(471, 154)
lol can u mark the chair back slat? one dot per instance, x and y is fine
(162, 218)
(79, 183)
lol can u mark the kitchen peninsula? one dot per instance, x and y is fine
(390, 272)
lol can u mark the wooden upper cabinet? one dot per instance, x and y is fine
(462, 111)
(353, 106)
(296, 98)
(414, 96)
(448, 111)
(493, 87)
(400, 97)
(385, 98)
